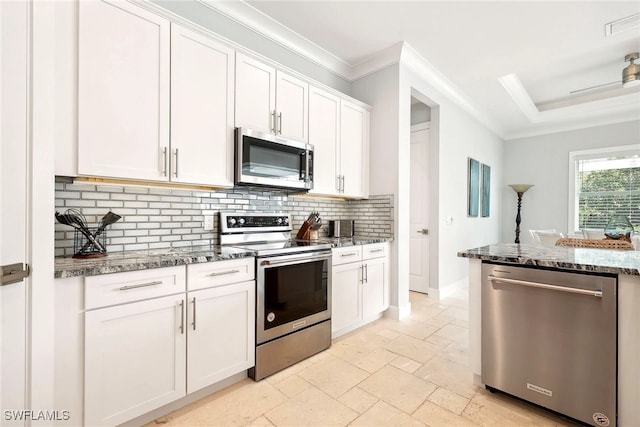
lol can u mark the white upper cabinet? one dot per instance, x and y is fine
(354, 150)
(202, 82)
(324, 133)
(123, 91)
(292, 107)
(270, 101)
(255, 94)
(339, 132)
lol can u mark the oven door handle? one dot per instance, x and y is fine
(268, 262)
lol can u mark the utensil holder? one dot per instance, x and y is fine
(85, 248)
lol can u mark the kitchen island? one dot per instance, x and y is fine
(625, 265)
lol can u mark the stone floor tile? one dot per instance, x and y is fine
(383, 414)
(449, 400)
(406, 364)
(311, 408)
(333, 376)
(399, 388)
(412, 348)
(436, 416)
(358, 399)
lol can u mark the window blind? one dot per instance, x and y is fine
(608, 186)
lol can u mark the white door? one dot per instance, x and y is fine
(255, 94)
(353, 120)
(324, 121)
(221, 333)
(292, 100)
(202, 87)
(135, 359)
(346, 295)
(123, 91)
(13, 214)
(419, 214)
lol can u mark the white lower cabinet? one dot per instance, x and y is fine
(134, 359)
(144, 348)
(359, 286)
(221, 333)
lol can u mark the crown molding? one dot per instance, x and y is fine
(253, 19)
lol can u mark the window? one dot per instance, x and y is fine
(605, 183)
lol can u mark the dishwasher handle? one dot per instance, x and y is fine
(596, 293)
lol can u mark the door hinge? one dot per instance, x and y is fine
(13, 273)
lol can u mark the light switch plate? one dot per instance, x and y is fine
(449, 220)
(208, 222)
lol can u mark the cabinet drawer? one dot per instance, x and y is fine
(377, 250)
(118, 288)
(218, 273)
(346, 254)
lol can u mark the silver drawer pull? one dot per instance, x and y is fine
(349, 254)
(141, 285)
(596, 293)
(376, 250)
(222, 273)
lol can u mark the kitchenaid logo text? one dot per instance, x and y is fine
(33, 415)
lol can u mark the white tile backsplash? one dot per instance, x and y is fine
(157, 218)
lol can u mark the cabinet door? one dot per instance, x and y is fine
(221, 329)
(255, 94)
(346, 308)
(123, 91)
(134, 359)
(324, 130)
(202, 84)
(354, 149)
(374, 287)
(292, 100)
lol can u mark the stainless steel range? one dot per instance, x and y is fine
(293, 298)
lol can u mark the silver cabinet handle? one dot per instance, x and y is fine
(342, 184)
(164, 161)
(222, 273)
(175, 172)
(596, 293)
(349, 254)
(376, 250)
(361, 268)
(280, 123)
(273, 121)
(182, 317)
(194, 313)
(141, 285)
(366, 273)
(338, 183)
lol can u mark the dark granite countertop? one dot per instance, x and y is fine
(141, 260)
(578, 259)
(117, 262)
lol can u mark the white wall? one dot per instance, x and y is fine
(543, 161)
(455, 136)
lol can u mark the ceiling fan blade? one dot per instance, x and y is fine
(618, 82)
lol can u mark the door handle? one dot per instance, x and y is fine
(424, 231)
(13, 273)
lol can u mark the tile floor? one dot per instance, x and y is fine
(412, 372)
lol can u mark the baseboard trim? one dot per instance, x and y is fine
(398, 313)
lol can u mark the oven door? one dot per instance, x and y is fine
(294, 291)
(268, 160)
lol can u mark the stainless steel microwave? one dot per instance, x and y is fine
(263, 159)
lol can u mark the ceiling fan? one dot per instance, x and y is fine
(630, 75)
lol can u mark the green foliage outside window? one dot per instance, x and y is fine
(608, 192)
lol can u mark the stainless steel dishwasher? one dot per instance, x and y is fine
(550, 337)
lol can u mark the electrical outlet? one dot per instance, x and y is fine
(208, 222)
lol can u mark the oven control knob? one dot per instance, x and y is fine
(271, 317)
(231, 221)
(279, 220)
(285, 220)
(240, 221)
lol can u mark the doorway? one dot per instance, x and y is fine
(419, 239)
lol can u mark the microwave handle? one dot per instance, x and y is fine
(307, 155)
